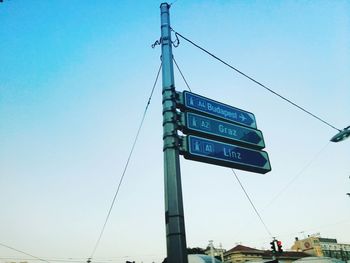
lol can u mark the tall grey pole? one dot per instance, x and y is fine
(174, 214)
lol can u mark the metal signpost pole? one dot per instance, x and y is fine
(174, 215)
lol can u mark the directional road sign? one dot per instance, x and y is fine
(224, 154)
(223, 131)
(216, 109)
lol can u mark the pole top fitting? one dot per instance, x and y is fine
(165, 3)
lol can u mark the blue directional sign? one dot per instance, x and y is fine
(211, 107)
(224, 154)
(223, 131)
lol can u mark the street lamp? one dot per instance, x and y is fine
(341, 135)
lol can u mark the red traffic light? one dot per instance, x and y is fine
(279, 246)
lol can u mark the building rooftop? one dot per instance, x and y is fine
(266, 253)
(240, 248)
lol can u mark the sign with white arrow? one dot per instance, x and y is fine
(219, 110)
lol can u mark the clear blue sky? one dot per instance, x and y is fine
(75, 77)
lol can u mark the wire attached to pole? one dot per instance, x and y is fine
(125, 168)
(255, 81)
(304, 168)
(182, 75)
(25, 253)
(252, 204)
(245, 192)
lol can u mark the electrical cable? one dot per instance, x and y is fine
(58, 260)
(252, 204)
(255, 81)
(173, 2)
(126, 166)
(51, 260)
(183, 77)
(25, 253)
(344, 221)
(245, 192)
(275, 93)
(293, 234)
(294, 178)
(297, 175)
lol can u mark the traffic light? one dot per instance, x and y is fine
(279, 246)
(273, 246)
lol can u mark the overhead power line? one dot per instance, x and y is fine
(255, 81)
(252, 204)
(12, 259)
(306, 166)
(22, 252)
(182, 75)
(68, 260)
(173, 2)
(245, 192)
(125, 168)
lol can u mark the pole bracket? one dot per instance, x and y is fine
(182, 145)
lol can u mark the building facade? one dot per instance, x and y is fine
(217, 252)
(323, 247)
(240, 254)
